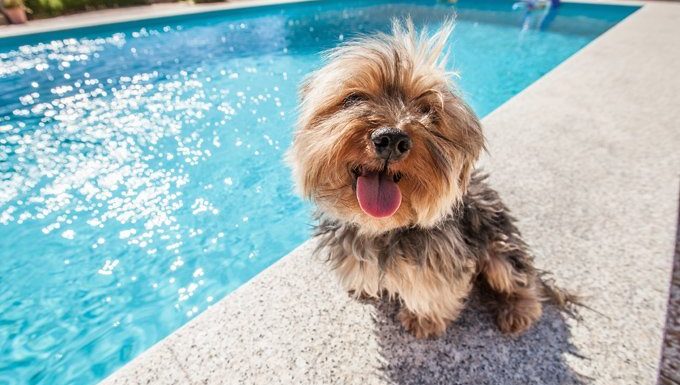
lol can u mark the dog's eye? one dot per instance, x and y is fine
(425, 109)
(354, 98)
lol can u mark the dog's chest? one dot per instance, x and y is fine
(396, 262)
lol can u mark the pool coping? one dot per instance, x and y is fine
(291, 323)
(162, 10)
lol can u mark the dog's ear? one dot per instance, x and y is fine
(466, 173)
(466, 131)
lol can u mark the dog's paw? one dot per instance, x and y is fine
(517, 317)
(421, 327)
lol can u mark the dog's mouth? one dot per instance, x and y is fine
(377, 191)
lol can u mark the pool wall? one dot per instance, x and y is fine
(587, 159)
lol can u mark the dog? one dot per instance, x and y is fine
(385, 147)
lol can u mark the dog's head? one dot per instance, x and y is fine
(383, 140)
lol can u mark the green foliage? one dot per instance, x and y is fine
(47, 8)
(12, 3)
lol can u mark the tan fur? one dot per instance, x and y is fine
(426, 293)
(451, 227)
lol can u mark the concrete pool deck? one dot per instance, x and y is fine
(588, 158)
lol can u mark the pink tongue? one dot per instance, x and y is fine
(378, 195)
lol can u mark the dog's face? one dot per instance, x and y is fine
(382, 140)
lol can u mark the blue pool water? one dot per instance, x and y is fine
(141, 173)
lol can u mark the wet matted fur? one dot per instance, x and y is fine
(451, 230)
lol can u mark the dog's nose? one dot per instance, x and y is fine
(391, 143)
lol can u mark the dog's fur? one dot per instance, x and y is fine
(451, 230)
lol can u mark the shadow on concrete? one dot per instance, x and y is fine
(474, 352)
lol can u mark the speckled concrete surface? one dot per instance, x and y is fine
(588, 159)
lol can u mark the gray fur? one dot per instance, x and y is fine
(478, 228)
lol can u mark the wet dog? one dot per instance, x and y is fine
(385, 148)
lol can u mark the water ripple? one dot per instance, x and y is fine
(141, 173)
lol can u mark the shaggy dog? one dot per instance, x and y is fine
(385, 148)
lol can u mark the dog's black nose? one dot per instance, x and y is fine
(391, 143)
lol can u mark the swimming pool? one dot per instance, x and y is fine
(140, 163)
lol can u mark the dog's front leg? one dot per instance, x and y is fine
(509, 272)
(361, 279)
(429, 301)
